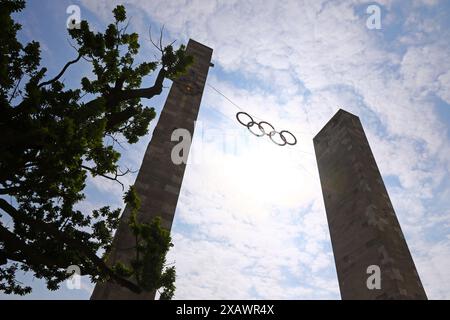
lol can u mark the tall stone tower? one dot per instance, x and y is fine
(159, 180)
(364, 229)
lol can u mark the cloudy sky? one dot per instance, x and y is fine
(250, 221)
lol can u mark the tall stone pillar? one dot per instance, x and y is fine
(159, 180)
(364, 229)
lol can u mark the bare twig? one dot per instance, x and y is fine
(119, 173)
(160, 37)
(122, 30)
(159, 47)
(76, 49)
(127, 171)
(115, 178)
(15, 89)
(115, 140)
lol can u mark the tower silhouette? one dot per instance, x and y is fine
(365, 233)
(159, 179)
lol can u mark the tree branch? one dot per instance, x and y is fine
(114, 140)
(117, 96)
(148, 93)
(72, 242)
(8, 190)
(16, 249)
(61, 72)
(93, 172)
(15, 89)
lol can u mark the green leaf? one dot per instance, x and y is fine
(119, 13)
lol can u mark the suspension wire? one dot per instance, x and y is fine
(238, 107)
(309, 123)
(242, 110)
(224, 115)
(322, 187)
(234, 104)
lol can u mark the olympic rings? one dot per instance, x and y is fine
(282, 138)
(290, 143)
(237, 117)
(263, 131)
(251, 123)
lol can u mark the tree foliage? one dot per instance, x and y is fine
(52, 137)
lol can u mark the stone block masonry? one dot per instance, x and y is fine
(159, 180)
(363, 226)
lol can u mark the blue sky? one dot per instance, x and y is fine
(250, 222)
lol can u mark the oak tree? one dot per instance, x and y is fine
(52, 137)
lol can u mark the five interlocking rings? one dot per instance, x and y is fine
(263, 131)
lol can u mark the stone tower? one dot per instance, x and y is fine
(363, 226)
(159, 180)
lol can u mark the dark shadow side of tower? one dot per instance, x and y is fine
(363, 226)
(159, 180)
